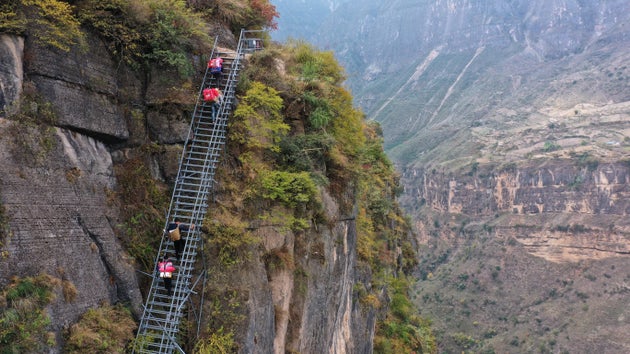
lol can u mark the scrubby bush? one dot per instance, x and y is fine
(49, 22)
(258, 120)
(106, 329)
(143, 200)
(145, 33)
(23, 317)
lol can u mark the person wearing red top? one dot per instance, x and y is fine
(166, 269)
(216, 68)
(214, 96)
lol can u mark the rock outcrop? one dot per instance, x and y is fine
(297, 291)
(54, 185)
(559, 210)
(11, 73)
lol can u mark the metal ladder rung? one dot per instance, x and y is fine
(183, 196)
(176, 330)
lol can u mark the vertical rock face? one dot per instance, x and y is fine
(82, 86)
(576, 210)
(55, 182)
(11, 73)
(301, 292)
(54, 186)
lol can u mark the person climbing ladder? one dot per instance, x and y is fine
(160, 327)
(214, 97)
(165, 270)
(174, 234)
(216, 68)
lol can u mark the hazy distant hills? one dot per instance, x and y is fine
(428, 69)
(302, 18)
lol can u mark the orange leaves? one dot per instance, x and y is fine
(267, 11)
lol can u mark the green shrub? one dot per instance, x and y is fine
(143, 200)
(550, 146)
(313, 65)
(106, 329)
(23, 317)
(305, 152)
(10, 19)
(218, 342)
(289, 188)
(145, 33)
(259, 123)
(465, 341)
(250, 14)
(320, 113)
(402, 331)
(230, 242)
(49, 22)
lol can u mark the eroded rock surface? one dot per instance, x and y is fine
(82, 85)
(560, 211)
(54, 191)
(11, 73)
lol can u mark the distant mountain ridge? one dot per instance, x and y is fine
(384, 45)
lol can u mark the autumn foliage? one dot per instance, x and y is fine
(266, 11)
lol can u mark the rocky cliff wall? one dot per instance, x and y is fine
(54, 186)
(11, 73)
(559, 210)
(57, 180)
(296, 293)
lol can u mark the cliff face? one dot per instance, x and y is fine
(58, 187)
(56, 181)
(304, 301)
(522, 255)
(558, 210)
(11, 72)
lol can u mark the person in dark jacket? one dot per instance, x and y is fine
(174, 232)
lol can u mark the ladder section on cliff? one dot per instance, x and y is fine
(159, 326)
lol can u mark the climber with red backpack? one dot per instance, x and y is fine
(165, 270)
(216, 68)
(214, 96)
